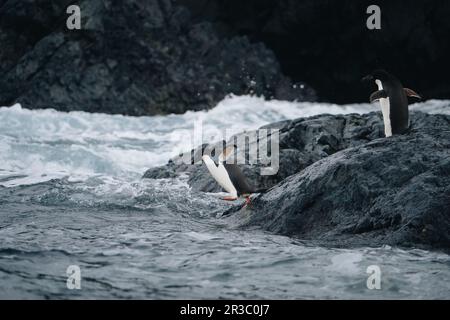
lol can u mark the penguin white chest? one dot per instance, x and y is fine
(220, 174)
(386, 110)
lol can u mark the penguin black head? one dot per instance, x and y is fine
(389, 81)
(379, 74)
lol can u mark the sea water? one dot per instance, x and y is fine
(71, 194)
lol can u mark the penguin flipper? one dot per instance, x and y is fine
(377, 95)
(412, 93)
(220, 174)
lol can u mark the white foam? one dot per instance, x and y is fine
(346, 263)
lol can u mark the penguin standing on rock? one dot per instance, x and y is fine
(393, 100)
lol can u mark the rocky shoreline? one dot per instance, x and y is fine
(130, 57)
(341, 183)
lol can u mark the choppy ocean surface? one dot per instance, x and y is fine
(71, 193)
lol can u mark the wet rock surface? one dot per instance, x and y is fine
(393, 191)
(343, 184)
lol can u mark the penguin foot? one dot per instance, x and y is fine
(248, 202)
(229, 198)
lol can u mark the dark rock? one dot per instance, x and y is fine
(131, 57)
(393, 191)
(342, 184)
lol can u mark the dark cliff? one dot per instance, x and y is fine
(130, 57)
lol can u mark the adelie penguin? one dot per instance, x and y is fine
(393, 100)
(229, 176)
